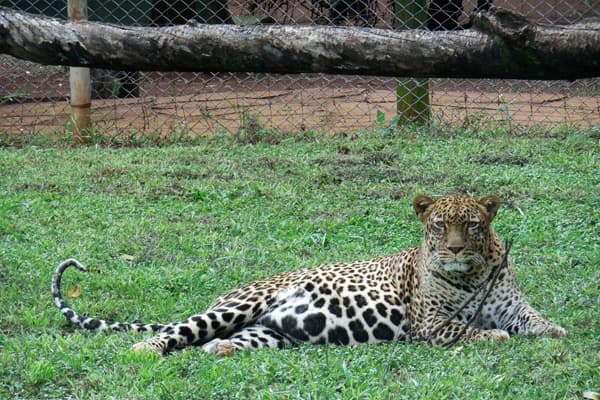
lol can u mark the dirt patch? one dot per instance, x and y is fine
(38, 187)
(502, 160)
(329, 110)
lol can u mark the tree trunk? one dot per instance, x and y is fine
(500, 44)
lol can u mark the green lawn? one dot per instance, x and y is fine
(165, 229)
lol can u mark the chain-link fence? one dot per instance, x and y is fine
(34, 98)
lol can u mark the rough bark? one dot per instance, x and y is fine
(500, 44)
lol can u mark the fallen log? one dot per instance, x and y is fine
(501, 44)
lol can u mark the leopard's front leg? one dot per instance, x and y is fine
(526, 320)
(439, 331)
(438, 325)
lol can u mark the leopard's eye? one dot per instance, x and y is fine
(473, 224)
(439, 224)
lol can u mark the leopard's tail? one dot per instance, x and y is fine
(91, 323)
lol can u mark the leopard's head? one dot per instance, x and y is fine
(457, 230)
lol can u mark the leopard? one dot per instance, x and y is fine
(419, 294)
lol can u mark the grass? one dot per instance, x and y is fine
(165, 229)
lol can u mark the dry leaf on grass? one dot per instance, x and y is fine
(75, 292)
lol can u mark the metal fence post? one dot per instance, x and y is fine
(412, 94)
(79, 81)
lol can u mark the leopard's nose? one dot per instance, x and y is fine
(456, 249)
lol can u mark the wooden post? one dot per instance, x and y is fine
(412, 94)
(79, 81)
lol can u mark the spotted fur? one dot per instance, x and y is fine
(403, 296)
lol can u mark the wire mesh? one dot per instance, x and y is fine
(34, 98)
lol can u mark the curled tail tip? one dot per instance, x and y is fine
(90, 323)
(56, 278)
(70, 262)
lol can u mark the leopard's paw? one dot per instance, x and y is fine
(225, 348)
(552, 330)
(556, 331)
(146, 347)
(219, 347)
(492, 334)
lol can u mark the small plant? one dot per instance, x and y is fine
(389, 127)
(504, 107)
(250, 129)
(40, 371)
(12, 96)
(474, 121)
(213, 122)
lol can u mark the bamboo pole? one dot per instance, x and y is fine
(412, 94)
(79, 81)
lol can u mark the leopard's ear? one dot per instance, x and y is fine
(421, 204)
(491, 204)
